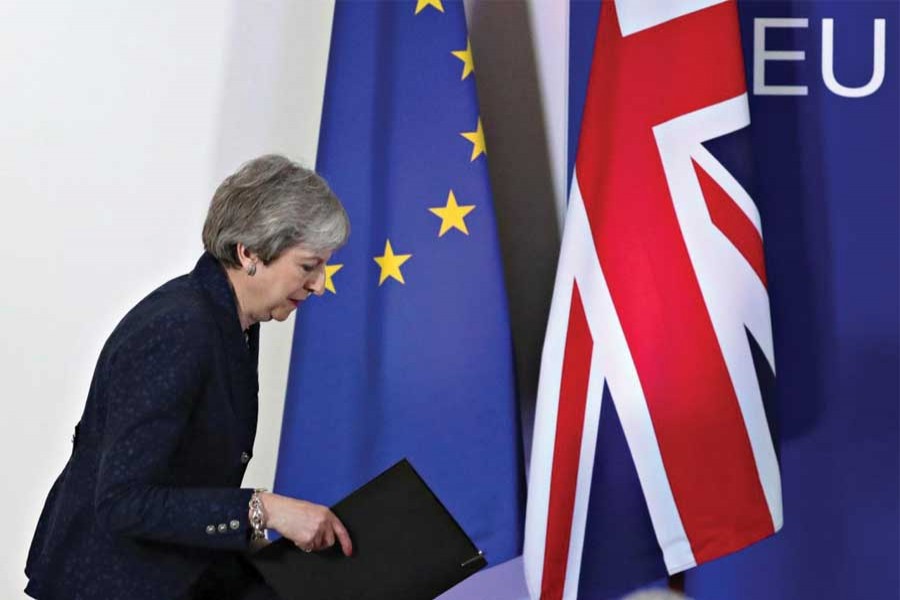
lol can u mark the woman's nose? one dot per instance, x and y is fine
(316, 285)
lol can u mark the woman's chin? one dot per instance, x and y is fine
(281, 314)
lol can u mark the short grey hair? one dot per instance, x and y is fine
(269, 205)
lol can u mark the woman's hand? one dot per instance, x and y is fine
(310, 526)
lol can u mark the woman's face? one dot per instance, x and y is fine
(279, 287)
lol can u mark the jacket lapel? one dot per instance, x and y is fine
(242, 351)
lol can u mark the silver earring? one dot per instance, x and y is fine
(251, 270)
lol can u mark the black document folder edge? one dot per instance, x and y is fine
(405, 462)
(284, 547)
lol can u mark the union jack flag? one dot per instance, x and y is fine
(660, 298)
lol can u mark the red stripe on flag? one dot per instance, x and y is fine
(567, 449)
(733, 223)
(637, 82)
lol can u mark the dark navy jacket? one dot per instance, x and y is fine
(151, 494)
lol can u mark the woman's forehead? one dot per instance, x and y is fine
(302, 252)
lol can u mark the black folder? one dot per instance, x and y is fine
(406, 546)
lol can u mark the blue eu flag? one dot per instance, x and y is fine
(409, 353)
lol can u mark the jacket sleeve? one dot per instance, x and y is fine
(152, 381)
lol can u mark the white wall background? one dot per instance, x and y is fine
(117, 121)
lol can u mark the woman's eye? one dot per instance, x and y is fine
(309, 268)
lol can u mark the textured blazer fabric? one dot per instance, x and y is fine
(151, 493)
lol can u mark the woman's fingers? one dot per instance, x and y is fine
(343, 537)
(310, 526)
(329, 539)
(322, 539)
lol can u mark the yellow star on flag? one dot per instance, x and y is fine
(452, 215)
(330, 270)
(421, 4)
(466, 57)
(477, 139)
(390, 263)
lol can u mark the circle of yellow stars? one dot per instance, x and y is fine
(451, 214)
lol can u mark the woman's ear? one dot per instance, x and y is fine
(245, 256)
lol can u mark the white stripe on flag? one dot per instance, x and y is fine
(637, 15)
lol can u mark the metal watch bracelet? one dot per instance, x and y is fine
(257, 517)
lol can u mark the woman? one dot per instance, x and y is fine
(149, 505)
